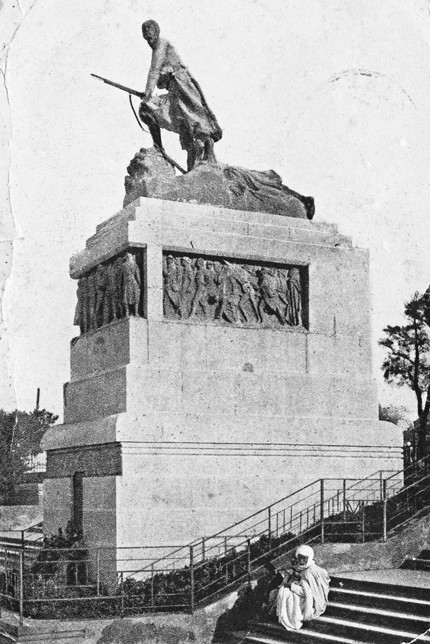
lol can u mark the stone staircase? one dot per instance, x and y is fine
(359, 611)
(422, 562)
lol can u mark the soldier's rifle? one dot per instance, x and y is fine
(134, 92)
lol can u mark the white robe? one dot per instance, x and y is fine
(305, 600)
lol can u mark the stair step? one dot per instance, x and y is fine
(303, 636)
(363, 632)
(363, 598)
(417, 562)
(378, 617)
(43, 637)
(348, 630)
(380, 588)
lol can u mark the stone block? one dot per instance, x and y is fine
(99, 514)
(95, 397)
(320, 353)
(103, 349)
(309, 396)
(354, 398)
(153, 389)
(348, 357)
(92, 460)
(57, 504)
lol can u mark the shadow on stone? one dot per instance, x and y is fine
(249, 605)
(126, 631)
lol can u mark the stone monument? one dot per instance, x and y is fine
(224, 355)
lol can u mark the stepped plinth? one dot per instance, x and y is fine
(224, 361)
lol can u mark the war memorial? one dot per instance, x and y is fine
(224, 350)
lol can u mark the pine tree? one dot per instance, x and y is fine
(408, 358)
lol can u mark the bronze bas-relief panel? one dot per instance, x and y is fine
(235, 292)
(111, 291)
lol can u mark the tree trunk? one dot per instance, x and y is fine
(422, 431)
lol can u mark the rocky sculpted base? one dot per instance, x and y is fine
(150, 175)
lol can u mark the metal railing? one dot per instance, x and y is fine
(110, 581)
(36, 462)
(31, 538)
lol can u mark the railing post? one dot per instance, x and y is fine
(75, 568)
(269, 526)
(248, 560)
(363, 523)
(344, 500)
(152, 586)
(98, 571)
(192, 603)
(122, 591)
(322, 509)
(384, 510)
(225, 545)
(21, 587)
(381, 485)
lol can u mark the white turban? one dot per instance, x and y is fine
(306, 551)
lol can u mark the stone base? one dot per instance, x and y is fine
(182, 426)
(169, 478)
(150, 175)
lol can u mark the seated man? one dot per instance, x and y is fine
(303, 594)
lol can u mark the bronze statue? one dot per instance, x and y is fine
(270, 302)
(91, 301)
(130, 285)
(114, 275)
(102, 303)
(294, 311)
(81, 311)
(231, 294)
(186, 293)
(172, 286)
(183, 109)
(200, 299)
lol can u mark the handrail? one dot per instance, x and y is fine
(353, 483)
(330, 509)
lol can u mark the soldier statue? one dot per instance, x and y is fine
(183, 109)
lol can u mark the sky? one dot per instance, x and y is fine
(334, 96)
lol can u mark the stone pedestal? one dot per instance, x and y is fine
(180, 426)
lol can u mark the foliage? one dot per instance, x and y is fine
(393, 414)
(58, 552)
(164, 591)
(407, 362)
(20, 436)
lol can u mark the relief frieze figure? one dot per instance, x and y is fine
(233, 292)
(109, 292)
